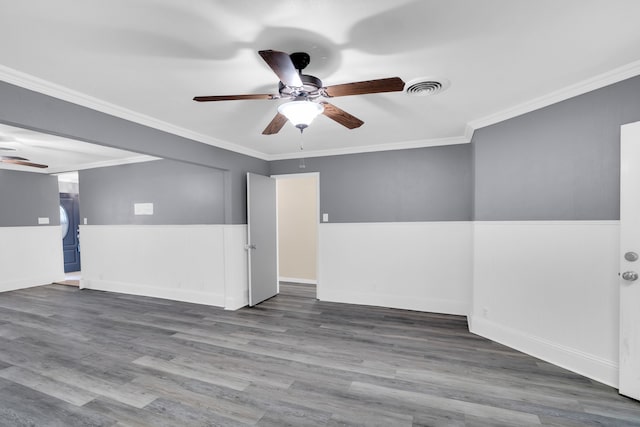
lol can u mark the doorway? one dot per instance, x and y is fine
(298, 222)
(70, 226)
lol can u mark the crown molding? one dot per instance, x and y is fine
(605, 79)
(407, 145)
(103, 164)
(37, 84)
(30, 82)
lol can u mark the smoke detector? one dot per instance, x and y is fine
(425, 86)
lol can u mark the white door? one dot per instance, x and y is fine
(262, 238)
(629, 264)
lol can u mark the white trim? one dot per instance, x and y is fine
(599, 369)
(409, 302)
(30, 82)
(385, 264)
(295, 175)
(28, 282)
(206, 298)
(31, 256)
(298, 280)
(614, 223)
(588, 85)
(530, 277)
(406, 145)
(236, 290)
(202, 264)
(102, 164)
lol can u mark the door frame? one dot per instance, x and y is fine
(318, 255)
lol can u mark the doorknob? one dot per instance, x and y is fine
(247, 247)
(630, 276)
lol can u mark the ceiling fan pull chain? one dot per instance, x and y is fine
(301, 165)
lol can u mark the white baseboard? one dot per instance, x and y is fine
(405, 302)
(233, 304)
(28, 282)
(599, 369)
(175, 294)
(298, 280)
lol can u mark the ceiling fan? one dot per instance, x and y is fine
(305, 92)
(16, 160)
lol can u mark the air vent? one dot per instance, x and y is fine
(425, 86)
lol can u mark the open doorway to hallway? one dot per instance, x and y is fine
(298, 219)
(69, 189)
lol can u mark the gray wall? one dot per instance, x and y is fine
(181, 193)
(426, 184)
(561, 162)
(24, 108)
(25, 196)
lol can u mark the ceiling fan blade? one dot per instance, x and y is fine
(23, 163)
(282, 65)
(12, 158)
(341, 116)
(233, 97)
(276, 124)
(391, 84)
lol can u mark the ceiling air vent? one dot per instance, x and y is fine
(424, 86)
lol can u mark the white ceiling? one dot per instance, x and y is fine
(146, 59)
(59, 154)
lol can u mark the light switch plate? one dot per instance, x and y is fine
(143, 208)
(325, 217)
(43, 220)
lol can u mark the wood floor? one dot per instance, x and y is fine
(72, 357)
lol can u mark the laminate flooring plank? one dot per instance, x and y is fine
(499, 388)
(42, 384)
(128, 416)
(341, 405)
(127, 393)
(228, 408)
(22, 406)
(190, 372)
(192, 416)
(249, 376)
(370, 391)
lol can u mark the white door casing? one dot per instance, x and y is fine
(629, 380)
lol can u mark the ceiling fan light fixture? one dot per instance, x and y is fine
(301, 113)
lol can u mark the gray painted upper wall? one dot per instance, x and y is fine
(561, 162)
(26, 196)
(181, 193)
(24, 108)
(425, 184)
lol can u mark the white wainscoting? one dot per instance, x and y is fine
(204, 264)
(550, 289)
(30, 256)
(425, 266)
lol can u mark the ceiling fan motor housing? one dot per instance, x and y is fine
(311, 86)
(300, 60)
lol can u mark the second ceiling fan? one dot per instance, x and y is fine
(305, 90)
